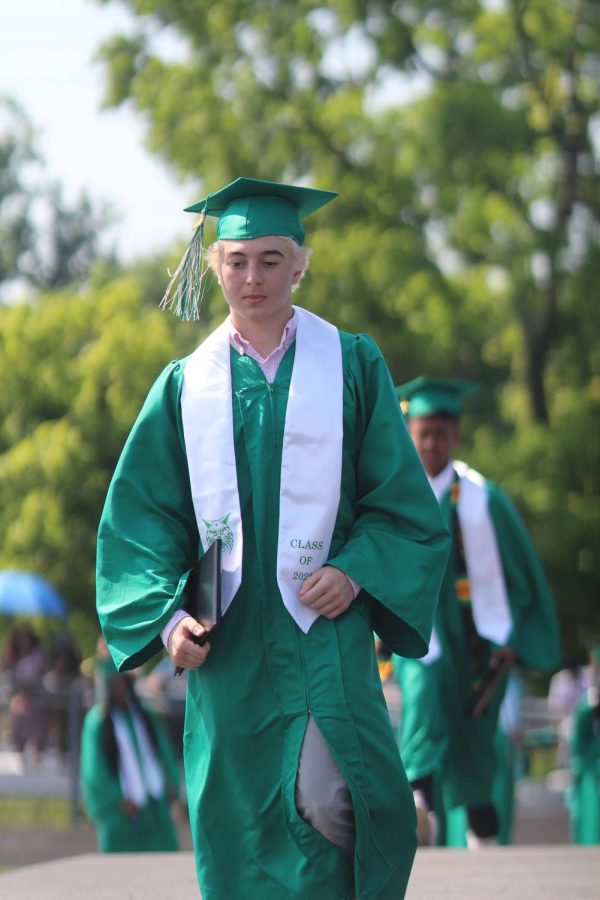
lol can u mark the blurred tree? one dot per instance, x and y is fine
(45, 241)
(463, 137)
(67, 243)
(70, 395)
(16, 154)
(460, 135)
(553, 472)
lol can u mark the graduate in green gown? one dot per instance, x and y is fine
(495, 610)
(283, 437)
(129, 772)
(584, 763)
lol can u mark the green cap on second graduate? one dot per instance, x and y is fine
(425, 396)
(246, 208)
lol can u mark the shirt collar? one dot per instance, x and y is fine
(244, 346)
(441, 482)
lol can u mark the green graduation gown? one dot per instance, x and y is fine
(421, 727)
(466, 767)
(153, 829)
(454, 826)
(247, 707)
(584, 792)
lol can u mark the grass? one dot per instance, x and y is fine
(18, 813)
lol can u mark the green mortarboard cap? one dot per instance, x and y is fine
(433, 396)
(250, 208)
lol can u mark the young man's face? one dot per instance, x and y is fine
(435, 438)
(256, 278)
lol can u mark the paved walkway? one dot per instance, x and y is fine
(510, 873)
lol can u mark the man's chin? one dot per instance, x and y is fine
(433, 467)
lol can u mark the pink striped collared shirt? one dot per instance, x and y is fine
(270, 364)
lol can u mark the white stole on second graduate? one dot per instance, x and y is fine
(311, 464)
(489, 598)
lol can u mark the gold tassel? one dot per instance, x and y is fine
(186, 288)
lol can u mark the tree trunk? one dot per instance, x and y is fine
(540, 333)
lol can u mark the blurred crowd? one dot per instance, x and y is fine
(38, 682)
(126, 730)
(35, 683)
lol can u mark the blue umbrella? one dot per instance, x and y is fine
(28, 594)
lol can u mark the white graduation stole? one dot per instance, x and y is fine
(311, 464)
(489, 599)
(139, 775)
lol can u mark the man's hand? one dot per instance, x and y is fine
(328, 591)
(501, 660)
(504, 656)
(183, 649)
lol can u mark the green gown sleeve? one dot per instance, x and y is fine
(398, 544)
(147, 538)
(535, 637)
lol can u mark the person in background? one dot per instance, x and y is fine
(565, 691)
(129, 773)
(63, 675)
(584, 746)
(281, 436)
(495, 609)
(23, 665)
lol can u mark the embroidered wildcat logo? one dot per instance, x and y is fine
(218, 528)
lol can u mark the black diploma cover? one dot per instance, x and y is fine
(492, 683)
(203, 591)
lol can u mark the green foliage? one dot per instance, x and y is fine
(488, 168)
(553, 473)
(75, 370)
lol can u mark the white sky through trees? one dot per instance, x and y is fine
(46, 65)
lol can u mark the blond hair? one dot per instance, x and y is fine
(301, 256)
